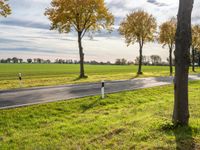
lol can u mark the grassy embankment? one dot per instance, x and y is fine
(138, 119)
(56, 74)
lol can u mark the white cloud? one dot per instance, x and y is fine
(50, 45)
(25, 33)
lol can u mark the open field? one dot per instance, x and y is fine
(138, 119)
(56, 74)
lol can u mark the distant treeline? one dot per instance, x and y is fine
(147, 60)
(16, 60)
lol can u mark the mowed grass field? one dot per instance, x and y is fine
(57, 74)
(133, 120)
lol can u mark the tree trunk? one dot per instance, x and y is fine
(82, 72)
(193, 59)
(170, 61)
(140, 60)
(182, 62)
(199, 59)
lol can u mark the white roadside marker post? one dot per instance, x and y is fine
(20, 80)
(102, 89)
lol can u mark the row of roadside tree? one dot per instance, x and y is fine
(139, 26)
(155, 60)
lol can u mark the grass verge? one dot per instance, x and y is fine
(138, 119)
(57, 74)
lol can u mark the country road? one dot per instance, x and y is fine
(30, 96)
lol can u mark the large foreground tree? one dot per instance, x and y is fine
(195, 43)
(138, 26)
(167, 38)
(182, 62)
(4, 8)
(80, 16)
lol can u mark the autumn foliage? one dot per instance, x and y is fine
(167, 38)
(196, 37)
(80, 16)
(4, 8)
(195, 43)
(138, 26)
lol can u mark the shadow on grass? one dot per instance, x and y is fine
(79, 78)
(136, 76)
(91, 105)
(183, 136)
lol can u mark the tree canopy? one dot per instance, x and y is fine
(139, 26)
(80, 15)
(196, 37)
(168, 33)
(155, 59)
(167, 38)
(4, 8)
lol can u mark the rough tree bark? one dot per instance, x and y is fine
(182, 62)
(170, 61)
(140, 59)
(82, 72)
(199, 59)
(193, 59)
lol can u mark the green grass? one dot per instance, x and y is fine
(138, 120)
(56, 74)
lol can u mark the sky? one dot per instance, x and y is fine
(25, 33)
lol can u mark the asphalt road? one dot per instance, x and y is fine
(30, 96)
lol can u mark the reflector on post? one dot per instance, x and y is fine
(102, 89)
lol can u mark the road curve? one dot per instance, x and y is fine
(30, 96)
